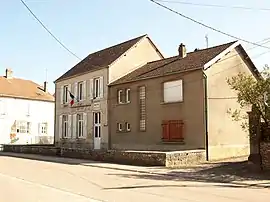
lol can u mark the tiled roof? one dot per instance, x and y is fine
(193, 60)
(20, 88)
(100, 59)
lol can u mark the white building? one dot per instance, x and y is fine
(26, 112)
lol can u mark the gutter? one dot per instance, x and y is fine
(206, 117)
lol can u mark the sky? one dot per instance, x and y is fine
(86, 26)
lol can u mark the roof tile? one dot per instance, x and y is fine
(100, 59)
(170, 65)
(20, 88)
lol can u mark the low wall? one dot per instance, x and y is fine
(265, 155)
(139, 158)
(48, 150)
(182, 158)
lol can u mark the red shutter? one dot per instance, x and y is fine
(176, 130)
(166, 130)
(172, 130)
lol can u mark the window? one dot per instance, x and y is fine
(128, 127)
(23, 127)
(123, 97)
(65, 94)
(142, 108)
(65, 126)
(80, 91)
(128, 95)
(96, 88)
(119, 127)
(120, 96)
(43, 128)
(3, 107)
(80, 125)
(173, 91)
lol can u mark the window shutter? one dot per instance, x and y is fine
(91, 88)
(84, 90)
(76, 91)
(69, 126)
(69, 90)
(62, 95)
(39, 129)
(60, 127)
(85, 124)
(74, 124)
(101, 85)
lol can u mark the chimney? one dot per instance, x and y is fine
(9, 73)
(45, 86)
(182, 50)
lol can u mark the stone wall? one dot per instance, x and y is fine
(48, 150)
(183, 158)
(139, 158)
(265, 155)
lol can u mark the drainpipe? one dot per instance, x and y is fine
(54, 137)
(206, 117)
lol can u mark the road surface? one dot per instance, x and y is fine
(64, 180)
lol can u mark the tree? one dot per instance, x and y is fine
(254, 92)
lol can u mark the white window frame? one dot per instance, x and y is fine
(173, 91)
(96, 88)
(80, 125)
(65, 126)
(128, 95)
(65, 94)
(80, 91)
(43, 128)
(25, 124)
(128, 128)
(119, 95)
(119, 127)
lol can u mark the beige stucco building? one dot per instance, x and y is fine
(85, 123)
(181, 103)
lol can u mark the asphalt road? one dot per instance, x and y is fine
(25, 180)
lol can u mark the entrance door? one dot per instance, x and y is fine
(97, 127)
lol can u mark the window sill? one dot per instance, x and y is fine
(123, 131)
(81, 138)
(167, 103)
(177, 142)
(124, 103)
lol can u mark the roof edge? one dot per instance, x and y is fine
(152, 77)
(25, 98)
(140, 39)
(220, 55)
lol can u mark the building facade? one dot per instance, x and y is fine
(181, 103)
(26, 112)
(82, 92)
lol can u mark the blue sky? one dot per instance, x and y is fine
(85, 26)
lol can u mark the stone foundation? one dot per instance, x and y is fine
(265, 155)
(139, 158)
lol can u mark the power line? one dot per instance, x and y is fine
(207, 26)
(50, 31)
(215, 5)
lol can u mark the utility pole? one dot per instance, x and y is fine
(206, 39)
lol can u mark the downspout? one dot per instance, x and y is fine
(108, 101)
(54, 114)
(206, 117)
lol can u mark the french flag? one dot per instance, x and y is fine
(72, 98)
